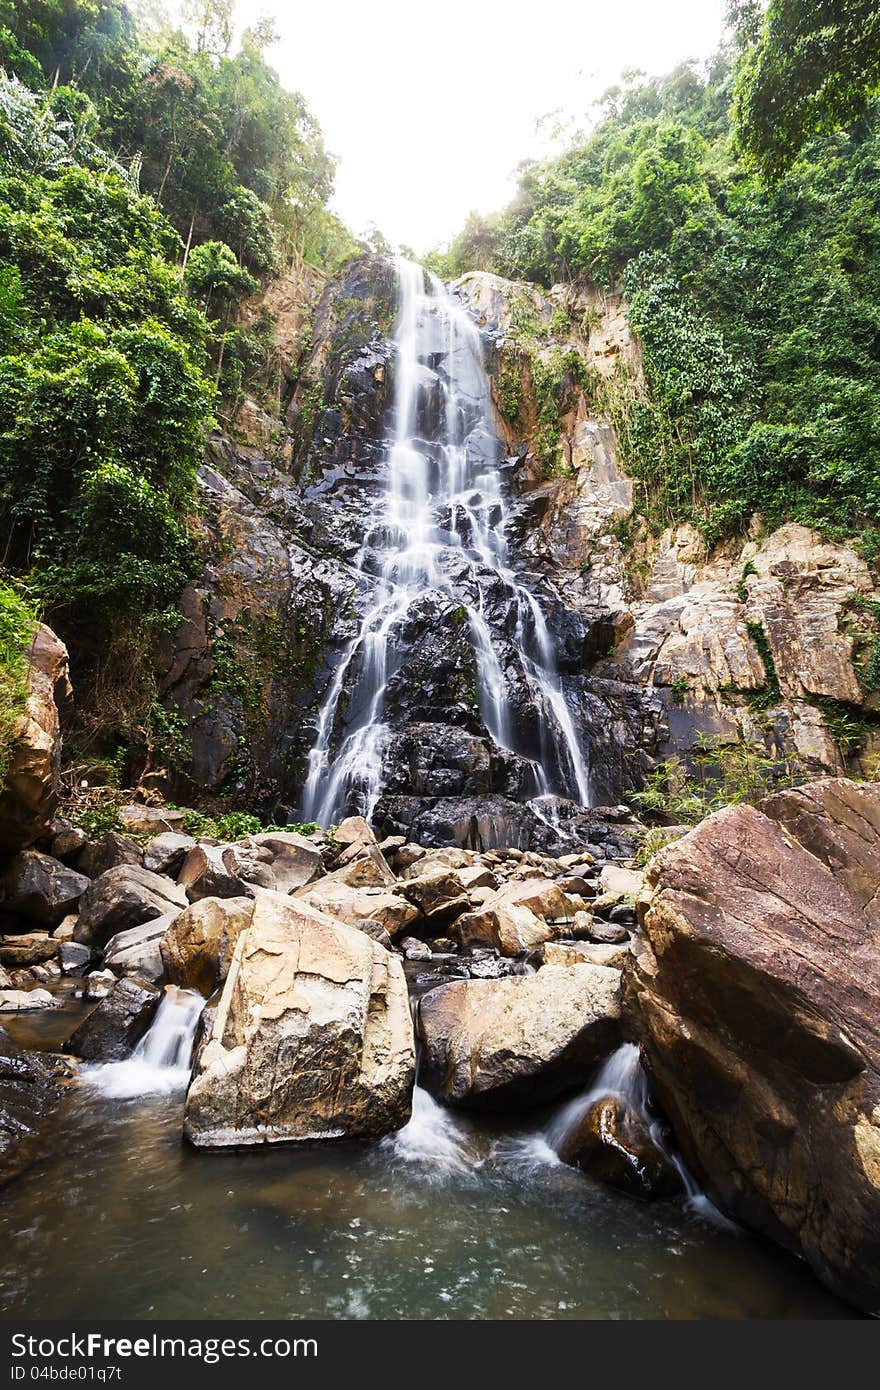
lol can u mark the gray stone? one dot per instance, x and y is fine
(165, 853)
(73, 956)
(125, 897)
(40, 888)
(111, 1031)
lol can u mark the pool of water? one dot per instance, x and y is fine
(450, 1219)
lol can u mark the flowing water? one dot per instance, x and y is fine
(450, 1218)
(440, 528)
(160, 1063)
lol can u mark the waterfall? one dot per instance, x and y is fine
(439, 525)
(161, 1061)
(434, 1141)
(621, 1075)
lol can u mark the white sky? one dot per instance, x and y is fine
(429, 105)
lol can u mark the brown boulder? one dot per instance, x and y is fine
(312, 1038)
(756, 995)
(198, 945)
(519, 917)
(337, 898)
(31, 948)
(613, 1145)
(522, 1038)
(30, 795)
(150, 820)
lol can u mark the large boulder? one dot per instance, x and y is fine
(113, 1029)
(109, 852)
(124, 897)
(279, 860)
(197, 948)
(523, 1038)
(30, 795)
(312, 1038)
(165, 853)
(756, 996)
(519, 917)
(41, 889)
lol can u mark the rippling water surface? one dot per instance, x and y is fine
(450, 1219)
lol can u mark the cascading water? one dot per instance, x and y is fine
(440, 526)
(621, 1075)
(160, 1062)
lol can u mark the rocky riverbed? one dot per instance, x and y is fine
(529, 976)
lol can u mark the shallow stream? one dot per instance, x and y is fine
(451, 1218)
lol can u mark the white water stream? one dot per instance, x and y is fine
(160, 1063)
(440, 527)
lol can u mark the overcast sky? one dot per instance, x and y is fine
(429, 106)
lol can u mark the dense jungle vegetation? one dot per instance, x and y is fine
(149, 177)
(738, 208)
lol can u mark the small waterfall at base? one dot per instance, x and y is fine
(621, 1075)
(161, 1061)
(433, 1140)
(440, 526)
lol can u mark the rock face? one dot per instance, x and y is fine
(30, 797)
(312, 1038)
(756, 996)
(111, 1031)
(526, 1038)
(124, 897)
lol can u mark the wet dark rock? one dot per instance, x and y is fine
(73, 957)
(614, 1146)
(623, 914)
(113, 1029)
(41, 889)
(31, 1084)
(606, 933)
(124, 897)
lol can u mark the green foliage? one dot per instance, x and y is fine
(17, 625)
(213, 272)
(715, 774)
(234, 825)
(806, 68)
(756, 307)
(103, 398)
(771, 693)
